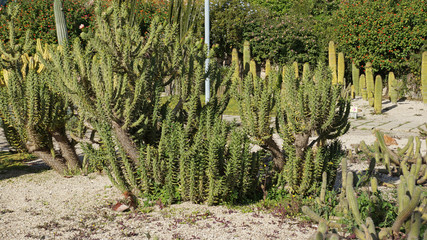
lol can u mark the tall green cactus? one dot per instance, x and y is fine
(246, 57)
(295, 69)
(378, 94)
(252, 68)
(333, 61)
(355, 77)
(424, 76)
(267, 68)
(235, 61)
(341, 68)
(363, 90)
(60, 22)
(393, 87)
(305, 70)
(370, 83)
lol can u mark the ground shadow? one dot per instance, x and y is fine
(11, 168)
(388, 108)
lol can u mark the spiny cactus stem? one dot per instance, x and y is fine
(406, 212)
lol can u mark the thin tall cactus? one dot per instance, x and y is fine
(60, 22)
(333, 62)
(424, 76)
(370, 83)
(355, 77)
(341, 68)
(378, 94)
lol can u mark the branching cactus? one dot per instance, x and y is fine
(33, 116)
(408, 160)
(306, 107)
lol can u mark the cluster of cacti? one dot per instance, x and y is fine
(407, 160)
(378, 95)
(147, 148)
(424, 77)
(32, 115)
(306, 105)
(411, 211)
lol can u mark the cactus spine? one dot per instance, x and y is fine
(378, 94)
(370, 83)
(392, 89)
(61, 24)
(246, 57)
(355, 76)
(333, 61)
(363, 90)
(424, 76)
(341, 68)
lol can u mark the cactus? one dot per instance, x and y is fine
(424, 76)
(235, 62)
(393, 87)
(333, 62)
(267, 68)
(341, 68)
(246, 57)
(355, 77)
(61, 24)
(378, 94)
(363, 89)
(370, 83)
(253, 68)
(305, 70)
(295, 67)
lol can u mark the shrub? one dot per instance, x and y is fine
(386, 33)
(37, 16)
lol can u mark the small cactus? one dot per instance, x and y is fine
(378, 94)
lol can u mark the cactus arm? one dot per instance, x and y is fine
(406, 212)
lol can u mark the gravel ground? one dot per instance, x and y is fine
(45, 205)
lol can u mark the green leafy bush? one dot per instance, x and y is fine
(386, 33)
(37, 16)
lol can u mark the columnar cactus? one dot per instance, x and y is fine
(355, 77)
(424, 76)
(341, 68)
(305, 70)
(252, 68)
(61, 24)
(295, 68)
(333, 61)
(392, 87)
(235, 61)
(246, 57)
(378, 94)
(267, 68)
(363, 90)
(370, 83)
